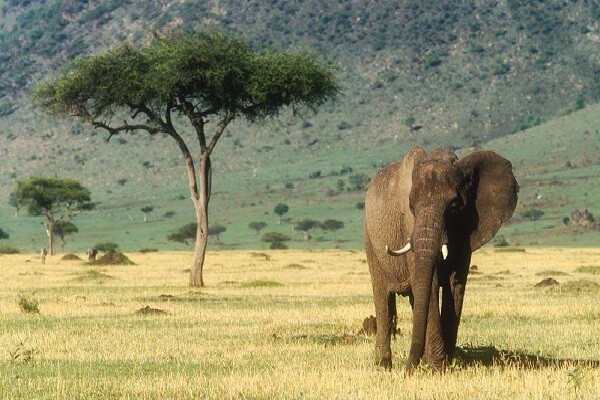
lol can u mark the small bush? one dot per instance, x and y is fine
(148, 250)
(28, 304)
(70, 257)
(107, 247)
(532, 214)
(5, 249)
(22, 353)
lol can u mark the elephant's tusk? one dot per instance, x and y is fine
(403, 250)
(445, 251)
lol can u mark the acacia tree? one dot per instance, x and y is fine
(281, 209)
(193, 77)
(54, 198)
(146, 210)
(307, 225)
(332, 225)
(257, 226)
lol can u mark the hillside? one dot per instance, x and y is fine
(469, 73)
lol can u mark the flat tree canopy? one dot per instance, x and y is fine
(191, 76)
(54, 198)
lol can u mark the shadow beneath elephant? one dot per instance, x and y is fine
(491, 356)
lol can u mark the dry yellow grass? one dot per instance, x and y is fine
(287, 328)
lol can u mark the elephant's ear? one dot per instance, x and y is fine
(492, 196)
(388, 219)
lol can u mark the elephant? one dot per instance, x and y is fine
(424, 216)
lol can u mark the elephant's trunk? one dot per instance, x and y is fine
(427, 241)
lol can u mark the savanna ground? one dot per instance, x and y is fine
(285, 325)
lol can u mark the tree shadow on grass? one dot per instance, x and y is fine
(489, 356)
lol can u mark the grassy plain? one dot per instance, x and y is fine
(285, 325)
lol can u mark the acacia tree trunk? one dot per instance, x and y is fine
(50, 233)
(201, 206)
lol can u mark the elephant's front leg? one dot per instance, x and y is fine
(435, 353)
(453, 294)
(385, 314)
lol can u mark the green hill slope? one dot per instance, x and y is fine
(467, 72)
(557, 165)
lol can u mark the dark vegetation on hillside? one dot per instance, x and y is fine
(536, 56)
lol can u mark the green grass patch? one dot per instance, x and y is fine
(261, 283)
(581, 286)
(92, 275)
(509, 250)
(589, 269)
(551, 272)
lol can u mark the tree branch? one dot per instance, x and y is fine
(221, 126)
(123, 128)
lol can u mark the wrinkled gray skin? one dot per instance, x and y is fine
(430, 200)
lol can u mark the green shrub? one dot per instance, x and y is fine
(532, 214)
(28, 304)
(107, 247)
(5, 249)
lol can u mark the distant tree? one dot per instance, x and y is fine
(360, 205)
(54, 198)
(146, 210)
(276, 239)
(4, 235)
(257, 226)
(332, 225)
(341, 184)
(62, 229)
(169, 214)
(281, 209)
(205, 79)
(410, 123)
(13, 200)
(307, 225)
(184, 234)
(532, 214)
(216, 230)
(358, 181)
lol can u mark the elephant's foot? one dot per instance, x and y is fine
(386, 362)
(436, 364)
